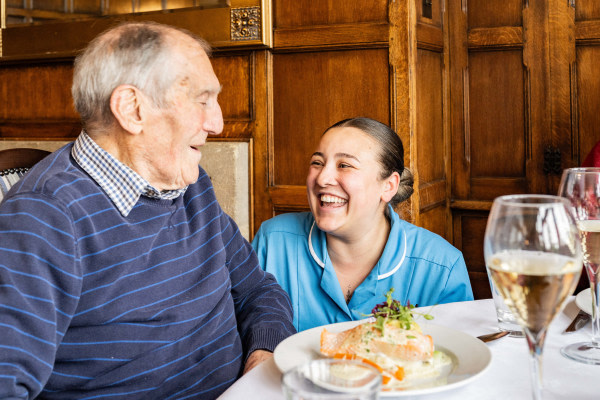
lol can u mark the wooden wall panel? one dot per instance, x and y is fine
(236, 96)
(431, 149)
(287, 12)
(38, 102)
(320, 89)
(469, 229)
(496, 133)
(430, 125)
(587, 10)
(434, 220)
(587, 83)
(485, 13)
(36, 92)
(588, 97)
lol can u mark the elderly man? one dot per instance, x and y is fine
(120, 275)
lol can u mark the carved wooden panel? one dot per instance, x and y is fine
(588, 99)
(497, 121)
(434, 220)
(430, 124)
(499, 83)
(41, 91)
(485, 13)
(234, 73)
(469, 228)
(293, 13)
(216, 22)
(587, 10)
(430, 163)
(312, 91)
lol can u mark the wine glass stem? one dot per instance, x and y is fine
(595, 289)
(536, 346)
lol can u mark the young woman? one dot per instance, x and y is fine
(338, 261)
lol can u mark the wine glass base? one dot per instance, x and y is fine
(584, 352)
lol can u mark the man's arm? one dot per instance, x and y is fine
(38, 290)
(263, 309)
(257, 357)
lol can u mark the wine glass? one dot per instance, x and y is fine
(533, 254)
(582, 187)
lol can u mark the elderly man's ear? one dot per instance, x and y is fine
(126, 102)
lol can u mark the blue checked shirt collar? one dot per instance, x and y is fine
(123, 185)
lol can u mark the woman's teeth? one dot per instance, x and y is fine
(332, 199)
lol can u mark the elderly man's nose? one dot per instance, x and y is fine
(213, 123)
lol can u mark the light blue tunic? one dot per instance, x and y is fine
(421, 266)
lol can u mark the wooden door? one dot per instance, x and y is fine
(585, 81)
(522, 85)
(342, 59)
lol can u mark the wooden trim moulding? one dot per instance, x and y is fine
(587, 32)
(286, 196)
(70, 129)
(430, 37)
(475, 205)
(64, 39)
(66, 129)
(501, 37)
(432, 195)
(322, 36)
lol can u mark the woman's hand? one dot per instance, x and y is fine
(257, 357)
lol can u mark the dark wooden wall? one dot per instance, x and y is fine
(523, 86)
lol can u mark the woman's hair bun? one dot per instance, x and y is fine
(405, 187)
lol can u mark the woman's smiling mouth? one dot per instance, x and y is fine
(328, 200)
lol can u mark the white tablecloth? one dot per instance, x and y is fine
(508, 376)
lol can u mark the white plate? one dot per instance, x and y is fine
(470, 356)
(584, 300)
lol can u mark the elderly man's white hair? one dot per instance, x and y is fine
(138, 54)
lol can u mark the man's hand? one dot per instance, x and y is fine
(256, 358)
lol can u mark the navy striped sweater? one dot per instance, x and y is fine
(165, 303)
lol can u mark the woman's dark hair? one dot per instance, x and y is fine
(391, 153)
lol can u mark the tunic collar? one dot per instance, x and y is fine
(390, 261)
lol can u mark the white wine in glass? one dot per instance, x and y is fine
(581, 186)
(533, 254)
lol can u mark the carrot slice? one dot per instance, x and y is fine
(345, 356)
(371, 363)
(399, 373)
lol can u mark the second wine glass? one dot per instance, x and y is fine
(581, 186)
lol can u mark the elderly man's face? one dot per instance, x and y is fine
(176, 134)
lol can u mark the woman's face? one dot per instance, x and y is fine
(345, 191)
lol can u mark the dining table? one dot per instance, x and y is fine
(506, 377)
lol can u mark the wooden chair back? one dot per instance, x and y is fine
(20, 158)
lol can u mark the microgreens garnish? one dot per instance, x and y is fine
(394, 310)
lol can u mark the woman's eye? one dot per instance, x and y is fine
(315, 162)
(344, 165)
